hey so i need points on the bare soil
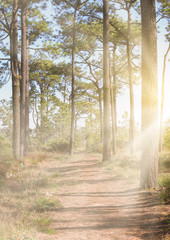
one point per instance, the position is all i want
(98, 205)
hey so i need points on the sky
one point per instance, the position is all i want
(123, 99)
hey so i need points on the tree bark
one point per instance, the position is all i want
(15, 80)
(27, 92)
(106, 83)
(73, 87)
(23, 77)
(132, 120)
(113, 121)
(114, 87)
(149, 159)
(101, 114)
(162, 100)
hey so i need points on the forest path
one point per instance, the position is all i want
(99, 206)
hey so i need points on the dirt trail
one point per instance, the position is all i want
(97, 205)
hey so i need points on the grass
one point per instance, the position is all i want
(46, 204)
(167, 237)
(124, 165)
(13, 232)
(36, 158)
(26, 201)
(43, 224)
(55, 175)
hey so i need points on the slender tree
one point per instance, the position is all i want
(162, 99)
(132, 120)
(26, 149)
(106, 83)
(149, 160)
(15, 80)
(113, 119)
(24, 63)
(73, 85)
(114, 87)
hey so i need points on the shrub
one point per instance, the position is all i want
(93, 144)
(61, 145)
(6, 159)
(164, 184)
(166, 136)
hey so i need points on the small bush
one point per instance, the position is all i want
(164, 162)
(166, 136)
(93, 144)
(164, 184)
(6, 159)
(61, 145)
(36, 157)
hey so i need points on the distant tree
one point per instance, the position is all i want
(6, 118)
(106, 83)
(73, 8)
(162, 99)
(44, 81)
(164, 13)
(149, 160)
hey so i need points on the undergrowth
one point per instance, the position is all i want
(164, 177)
(124, 165)
(164, 184)
(28, 197)
(46, 204)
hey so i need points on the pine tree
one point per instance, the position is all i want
(149, 161)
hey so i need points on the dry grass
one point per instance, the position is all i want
(27, 197)
(124, 165)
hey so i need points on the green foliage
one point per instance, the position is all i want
(164, 162)
(164, 184)
(164, 12)
(93, 143)
(166, 136)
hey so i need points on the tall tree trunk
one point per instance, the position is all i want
(106, 83)
(27, 92)
(112, 114)
(114, 87)
(23, 77)
(149, 160)
(15, 80)
(113, 121)
(162, 100)
(73, 86)
(132, 121)
(101, 115)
